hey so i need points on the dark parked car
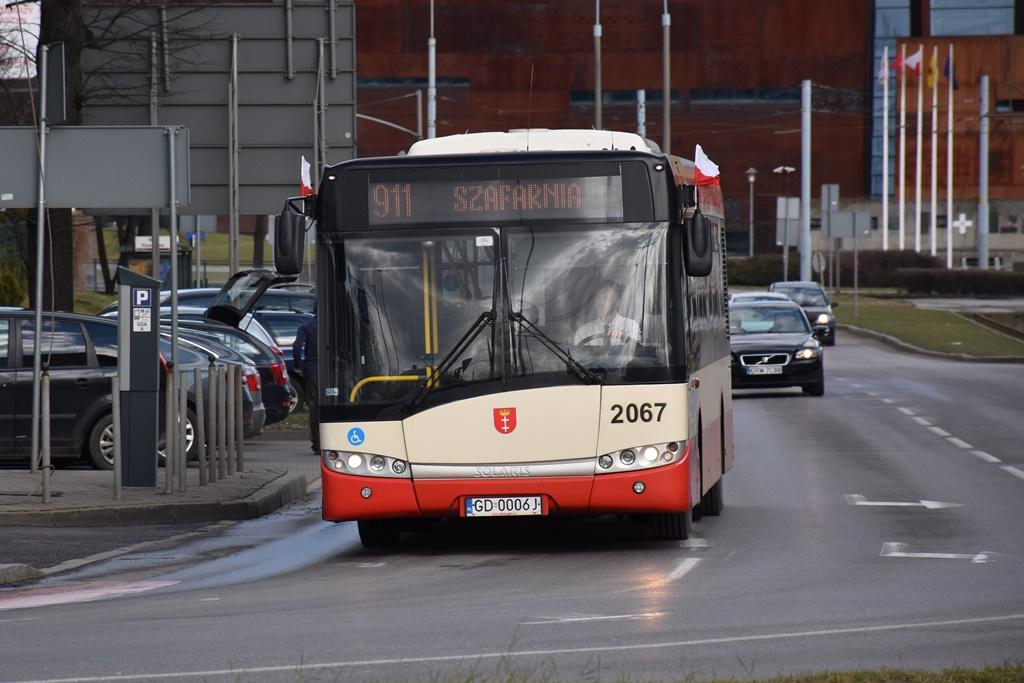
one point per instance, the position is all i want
(278, 395)
(82, 360)
(773, 346)
(283, 327)
(810, 297)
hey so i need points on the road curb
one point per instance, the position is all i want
(904, 346)
(17, 573)
(271, 496)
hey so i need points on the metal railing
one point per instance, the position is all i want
(217, 431)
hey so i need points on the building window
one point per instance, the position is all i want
(972, 17)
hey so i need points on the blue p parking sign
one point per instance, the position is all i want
(140, 296)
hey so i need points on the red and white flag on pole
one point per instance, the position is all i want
(706, 170)
(306, 188)
(913, 62)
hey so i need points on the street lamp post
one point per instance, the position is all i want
(785, 171)
(751, 176)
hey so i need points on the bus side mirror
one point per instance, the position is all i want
(686, 198)
(698, 254)
(289, 241)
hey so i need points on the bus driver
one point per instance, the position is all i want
(609, 328)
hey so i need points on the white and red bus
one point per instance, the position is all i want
(510, 332)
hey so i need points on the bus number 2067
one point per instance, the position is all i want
(633, 412)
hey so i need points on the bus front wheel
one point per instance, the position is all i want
(671, 526)
(379, 533)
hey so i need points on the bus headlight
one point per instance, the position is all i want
(398, 467)
(641, 457)
(354, 461)
(377, 463)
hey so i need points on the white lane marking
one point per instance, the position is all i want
(1015, 471)
(576, 620)
(959, 443)
(888, 400)
(905, 411)
(470, 656)
(890, 549)
(985, 456)
(873, 393)
(42, 597)
(208, 599)
(857, 499)
(682, 570)
(857, 386)
(695, 543)
(68, 565)
(923, 422)
(939, 430)
(12, 621)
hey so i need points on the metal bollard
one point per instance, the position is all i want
(229, 398)
(239, 424)
(182, 465)
(169, 429)
(115, 393)
(200, 426)
(221, 420)
(212, 455)
(45, 433)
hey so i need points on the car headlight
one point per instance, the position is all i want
(806, 354)
(823, 319)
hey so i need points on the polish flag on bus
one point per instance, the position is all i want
(306, 188)
(706, 170)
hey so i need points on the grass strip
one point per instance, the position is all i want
(934, 330)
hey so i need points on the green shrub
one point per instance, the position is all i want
(12, 286)
(942, 281)
(876, 268)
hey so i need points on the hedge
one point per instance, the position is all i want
(984, 282)
(876, 267)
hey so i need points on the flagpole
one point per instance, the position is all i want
(949, 164)
(903, 146)
(918, 157)
(933, 71)
(885, 148)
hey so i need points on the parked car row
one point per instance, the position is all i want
(82, 358)
(777, 337)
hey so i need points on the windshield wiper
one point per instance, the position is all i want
(582, 371)
(479, 325)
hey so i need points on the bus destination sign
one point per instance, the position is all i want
(592, 198)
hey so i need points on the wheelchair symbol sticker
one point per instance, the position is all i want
(356, 436)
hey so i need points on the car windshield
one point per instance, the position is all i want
(767, 320)
(805, 296)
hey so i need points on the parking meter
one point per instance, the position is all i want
(138, 367)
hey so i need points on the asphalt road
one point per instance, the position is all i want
(825, 558)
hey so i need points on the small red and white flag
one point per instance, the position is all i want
(913, 62)
(306, 188)
(706, 172)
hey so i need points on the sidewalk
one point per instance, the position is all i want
(85, 498)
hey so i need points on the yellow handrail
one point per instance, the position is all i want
(382, 378)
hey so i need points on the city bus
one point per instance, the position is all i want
(528, 323)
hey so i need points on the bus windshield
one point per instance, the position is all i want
(482, 310)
